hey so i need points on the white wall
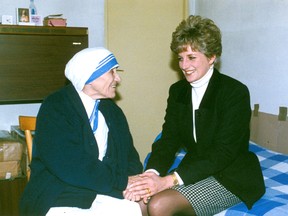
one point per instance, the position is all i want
(255, 50)
(88, 13)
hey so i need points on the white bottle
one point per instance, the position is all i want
(33, 9)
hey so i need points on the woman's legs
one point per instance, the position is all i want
(143, 207)
(168, 203)
(206, 197)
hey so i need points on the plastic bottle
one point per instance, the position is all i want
(33, 9)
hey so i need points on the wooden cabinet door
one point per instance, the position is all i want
(33, 59)
(139, 32)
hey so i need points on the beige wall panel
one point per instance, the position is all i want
(268, 131)
(282, 139)
(139, 32)
(265, 130)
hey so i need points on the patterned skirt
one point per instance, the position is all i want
(208, 196)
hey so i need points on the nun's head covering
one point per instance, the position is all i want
(89, 64)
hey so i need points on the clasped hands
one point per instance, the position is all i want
(143, 186)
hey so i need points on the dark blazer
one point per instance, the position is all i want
(222, 128)
(65, 166)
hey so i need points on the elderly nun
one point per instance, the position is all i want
(83, 153)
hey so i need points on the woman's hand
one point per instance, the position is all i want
(129, 195)
(148, 184)
(132, 179)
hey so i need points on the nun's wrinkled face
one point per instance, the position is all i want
(104, 86)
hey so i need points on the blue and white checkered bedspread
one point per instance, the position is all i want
(275, 171)
(275, 201)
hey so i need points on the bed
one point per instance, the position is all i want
(275, 171)
(268, 137)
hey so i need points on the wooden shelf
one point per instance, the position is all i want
(43, 30)
(33, 59)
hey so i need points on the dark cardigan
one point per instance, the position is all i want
(65, 166)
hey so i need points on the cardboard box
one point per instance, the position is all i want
(10, 169)
(19, 135)
(12, 157)
(10, 149)
(54, 22)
